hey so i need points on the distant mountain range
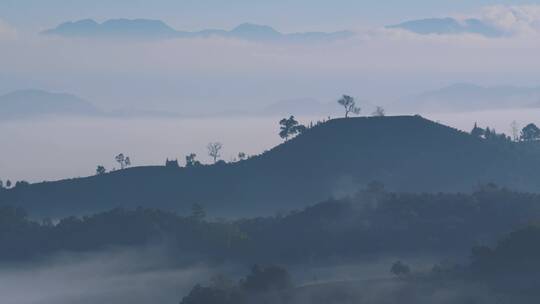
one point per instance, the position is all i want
(470, 97)
(31, 103)
(444, 26)
(156, 29)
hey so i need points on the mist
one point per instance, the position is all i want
(152, 274)
(115, 276)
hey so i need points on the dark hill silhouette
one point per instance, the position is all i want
(406, 153)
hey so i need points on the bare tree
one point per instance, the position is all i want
(349, 104)
(214, 150)
(123, 160)
(379, 111)
(515, 130)
(120, 159)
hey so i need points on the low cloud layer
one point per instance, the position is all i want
(514, 20)
(120, 276)
(7, 31)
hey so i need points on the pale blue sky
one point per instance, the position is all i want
(283, 14)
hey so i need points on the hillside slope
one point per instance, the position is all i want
(406, 153)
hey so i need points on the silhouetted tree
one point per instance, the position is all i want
(530, 133)
(375, 187)
(120, 159)
(492, 135)
(8, 184)
(290, 127)
(399, 269)
(379, 111)
(172, 163)
(477, 131)
(489, 133)
(349, 104)
(123, 160)
(100, 170)
(20, 184)
(191, 161)
(212, 295)
(263, 279)
(241, 156)
(214, 150)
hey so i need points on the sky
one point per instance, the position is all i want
(216, 75)
(283, 14)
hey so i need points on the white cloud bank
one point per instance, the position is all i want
(514, 20)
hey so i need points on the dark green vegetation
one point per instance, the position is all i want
(372, 222)
(407, 153)
(506, 273)
(264, 284)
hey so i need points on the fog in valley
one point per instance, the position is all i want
(150, 275)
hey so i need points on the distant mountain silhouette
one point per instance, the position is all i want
(155, 29)
(406, 153)
(31, 103)
(470, 97)
(444, 26)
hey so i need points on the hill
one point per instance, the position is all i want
(406, 153)
(156, 29)
(31, 103)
